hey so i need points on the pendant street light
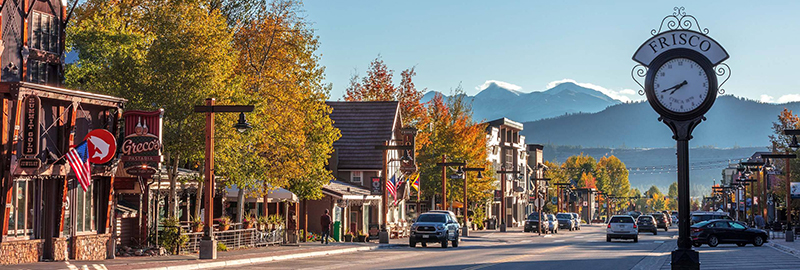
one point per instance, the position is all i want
(465, 232)
(503, 173)
(444, 164)
(208, 245)
(788, 169)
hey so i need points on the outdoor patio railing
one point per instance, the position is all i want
(236, 238)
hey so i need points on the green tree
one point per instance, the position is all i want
(650, 193)
(673, 196)
(786, 120)
(612, 176)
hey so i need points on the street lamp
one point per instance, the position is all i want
(208, 246)
(503, 173)
(465, 232)
(383, 235)
(444, 164)
(786, 157)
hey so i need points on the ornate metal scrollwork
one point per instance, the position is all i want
(679, 21)
(639, 71)
(723, 72)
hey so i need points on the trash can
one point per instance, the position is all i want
(491, 224)
(337, 231)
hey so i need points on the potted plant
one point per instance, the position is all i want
(248, 221)
(262, 223)
(197, 224)
(348, 237)
(224, 223)
(361, 237)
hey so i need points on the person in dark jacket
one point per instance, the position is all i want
(325, 222)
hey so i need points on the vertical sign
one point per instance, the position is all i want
(376, 186)
(408, 134)
(30, 133)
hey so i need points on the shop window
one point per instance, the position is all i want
(44, 32)
(23, 207)
(84, 208)
(356, 176)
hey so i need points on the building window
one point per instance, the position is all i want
(84, 208)
(23, 206)
(43, 73)
(44, 32)
(356, 176)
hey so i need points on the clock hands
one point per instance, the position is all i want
(675, 88)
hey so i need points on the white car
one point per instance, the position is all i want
(622, 227)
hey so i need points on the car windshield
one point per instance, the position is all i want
(621, 220)
(564, 216)
(698, 218)
(645, 218)
(533, 216)
(431, 218)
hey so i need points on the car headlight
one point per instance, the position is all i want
(413, 228)
(440, 227)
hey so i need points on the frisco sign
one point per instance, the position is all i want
(141, 146)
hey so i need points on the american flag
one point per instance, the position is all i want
(391, 187)
(78, 158)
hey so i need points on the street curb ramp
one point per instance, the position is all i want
(259, 260)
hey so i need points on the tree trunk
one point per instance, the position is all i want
(199, 194)
(173, 178)
(240, 206)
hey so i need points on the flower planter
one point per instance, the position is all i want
(246, 225)
(361, 238)
(348, 238)
(197, 228)
(224, 227)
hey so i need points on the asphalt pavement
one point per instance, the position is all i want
(584, 249)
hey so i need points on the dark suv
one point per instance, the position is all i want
(434, 228)
(566, 221)
(532, 224)
(661, 220)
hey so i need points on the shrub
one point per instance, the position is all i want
(170, 238)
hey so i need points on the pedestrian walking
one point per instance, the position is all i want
(325, 222)
(759, 220)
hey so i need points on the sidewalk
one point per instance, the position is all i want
(792, 248)
(224, 258)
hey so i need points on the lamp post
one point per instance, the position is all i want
(208, 246)
(383, 235)
(540, 198)
(503, 173)
(560, 187)
(465, 232)
(444, 164)
(786, 157)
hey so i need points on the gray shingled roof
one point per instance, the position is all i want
(342, 188)
(363, 125)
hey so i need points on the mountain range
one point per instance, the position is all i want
(569, 114)
(495, 101)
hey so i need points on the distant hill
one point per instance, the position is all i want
(732, 122)
(658, 166)
(495, 102)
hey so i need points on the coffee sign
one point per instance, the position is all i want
(141, 146)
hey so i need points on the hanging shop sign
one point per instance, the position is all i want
(141, 146)
(376, 186)
(795, 187)
(102, 146)
(31, 132)
(409, 134)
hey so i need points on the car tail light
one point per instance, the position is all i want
(609, 225)
(696, 230)
(634, 225)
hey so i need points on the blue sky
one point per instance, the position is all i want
(532, 44)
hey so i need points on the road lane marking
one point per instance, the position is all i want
(514, 258)
(558, 241)
(579, 237)
(658, 242)
(548, 235)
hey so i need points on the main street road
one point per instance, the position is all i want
(585, 249)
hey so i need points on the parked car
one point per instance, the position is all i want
(698, 217)
(661, 220)
(721, 231)
(566, 221)
(434, 227)
(533, 222)
(622, 227)
(553, 223)
(667, 217)
(577, 220)
(647, 223)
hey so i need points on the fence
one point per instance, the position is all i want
(236, 238)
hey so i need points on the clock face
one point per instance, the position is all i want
(680, 85)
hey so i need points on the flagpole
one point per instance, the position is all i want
(419, 189)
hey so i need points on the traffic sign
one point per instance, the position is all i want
(102, 146)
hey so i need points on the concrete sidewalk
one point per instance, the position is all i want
(224, 259)
(780, 244)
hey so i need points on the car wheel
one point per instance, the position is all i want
(455, 243)
(444, 243)
(758, 241)
(636, 239)
(713, 241)
(741, 244)
(411, 243)
(655, 232)
(608, 238)
(424, 244)
(695, 244)
(666, 229)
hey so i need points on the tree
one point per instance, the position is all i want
(378, 86)
(452, 132)
(612, 176)
(786, 120)
(650, 193)
(673, 195)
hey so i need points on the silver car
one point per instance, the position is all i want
(622, 227)
(553, 223)
(434, 228)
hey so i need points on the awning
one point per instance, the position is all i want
(125, 209)
(346, 191)
(275, 195)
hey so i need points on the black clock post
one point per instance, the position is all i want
(680, 66)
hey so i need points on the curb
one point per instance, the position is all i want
(250, 261)
(784, 249)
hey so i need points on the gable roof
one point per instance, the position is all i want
(363, 125)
